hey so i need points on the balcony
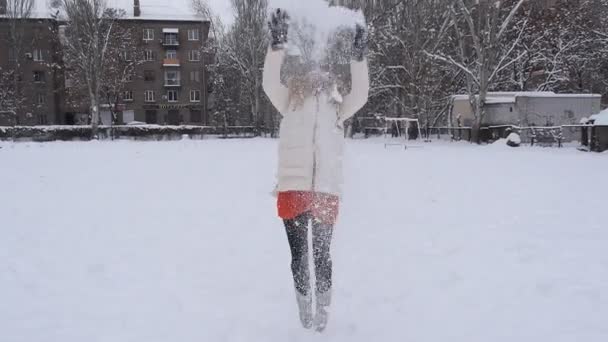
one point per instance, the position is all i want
(171, 62)
(170, 42)
(172, 82)
(170, 37)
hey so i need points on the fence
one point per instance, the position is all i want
(537, 135)
(453, 133)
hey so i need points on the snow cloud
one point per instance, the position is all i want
(317, 21)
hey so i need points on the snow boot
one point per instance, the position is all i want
(322, 312)
(305, 309)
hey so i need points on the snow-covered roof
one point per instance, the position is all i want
(510, 97)
(520, 93)
(507, 94)
(582, 96)
(160, 10)
(600, 119)
(500, 100)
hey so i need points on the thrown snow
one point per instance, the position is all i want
(178, 241)
(324, 20)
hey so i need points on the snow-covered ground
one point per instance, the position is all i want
(178, 241)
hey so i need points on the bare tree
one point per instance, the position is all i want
(244, 48)
(481, 54)
(405, 82)
(122, 58)
(87, 37)
(8, 105)
(213, 63)
(238, 57)
(415, 85)
(17, 14)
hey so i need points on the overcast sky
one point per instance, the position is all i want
(223, 9)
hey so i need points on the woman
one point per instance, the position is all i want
(310, 160)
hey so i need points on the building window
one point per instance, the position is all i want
(38, 55)
(171, 39)
(149, 96)
(149, 76)
(68, 81)
(42, 119)
(151, 117)
(171, 54)
(195, 96)
(126, 56)
(12, 57)
(172, 96)
(39, 76)
(149, 56)
(148, 34)
(127, 96)
(172, 78)
(195, 76)
(41, 99)
(193, 34)
(195, 56)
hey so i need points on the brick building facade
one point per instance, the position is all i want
(39, 80)
(169, 86)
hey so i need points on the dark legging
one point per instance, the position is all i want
(297, 234)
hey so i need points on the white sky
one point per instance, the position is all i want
(223, 9)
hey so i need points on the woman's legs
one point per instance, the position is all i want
(297, 235)
(321, 242)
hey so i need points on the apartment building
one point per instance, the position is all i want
(40, 103)
(169, 85)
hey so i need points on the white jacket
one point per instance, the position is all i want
(312, 136)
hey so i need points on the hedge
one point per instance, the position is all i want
(139, 132)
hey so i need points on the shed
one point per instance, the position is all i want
(599, 131)
(529, 108)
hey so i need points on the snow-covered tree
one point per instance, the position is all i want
(86, 42)
(565, 47)
(244, 48)
(17, 14)
(122, 58)
(403, 76)
(482, 52)
(405, 80)
(8, 103)
(238, 57)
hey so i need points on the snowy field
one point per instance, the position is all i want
(179, 242)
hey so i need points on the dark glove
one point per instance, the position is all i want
(279, 27)
(360, 43)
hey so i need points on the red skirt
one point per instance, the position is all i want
(323, 207)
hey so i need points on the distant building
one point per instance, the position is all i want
(527, 109)
(39, 79)
(169, 87)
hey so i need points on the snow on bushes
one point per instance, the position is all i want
(143, 132)
(514, 140)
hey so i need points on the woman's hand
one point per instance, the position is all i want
(279, 27)
(360, 43)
